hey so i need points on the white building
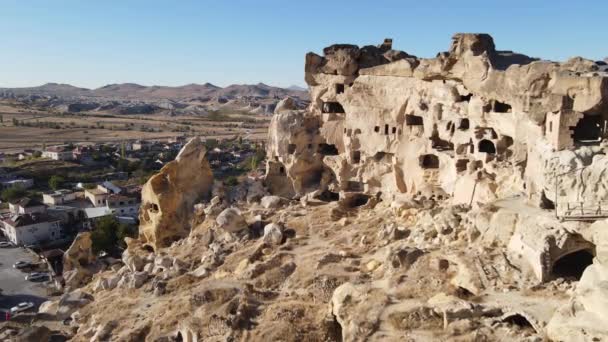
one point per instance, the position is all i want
(27, 205)
(123, 206)
(31, 229)
(58, 153)
(93, 215)
(96, 196)
(58, 197)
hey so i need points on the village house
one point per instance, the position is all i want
(96, 196)
(121, 205)
(58, 197)
(83, 154)
(109, 188)
(27, 205)
(30, 229)
(92, 215)
(58, 153)
(26, 154)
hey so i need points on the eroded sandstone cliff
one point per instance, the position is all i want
(417, 199)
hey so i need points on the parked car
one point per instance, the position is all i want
(5, 244)
(22, 264)
(22, 307)
(37, 276)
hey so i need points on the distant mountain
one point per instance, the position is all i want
(140, 92)
(131, 98)
(296, 88)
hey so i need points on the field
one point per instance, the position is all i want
(22, 128)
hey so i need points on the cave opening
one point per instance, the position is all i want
(382, 156)
(518, 320)
(356, 200)
(572, 265)
(461, 165)
(429, 161)
(312, 178)
(329, 196)
(327, 150)
(339, 88)
(413, 120)
(291, 148)
(463, 125)
(588, 130)
(465, 98)
(501, 107)
(545, 202)
(486, 146)
(356, 156)
(385, 129)
(332, 107)
(377, 129)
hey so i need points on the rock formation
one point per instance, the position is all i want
(473, 124)
(79, 262)
(458, 198)
(168, 198)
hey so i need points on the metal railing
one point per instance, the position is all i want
(582, 210)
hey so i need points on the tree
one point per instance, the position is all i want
(55, 182)
(108, 234)
(12, 194)
(103, 235)
(37, 154)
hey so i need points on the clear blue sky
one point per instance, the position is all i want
(93, 43)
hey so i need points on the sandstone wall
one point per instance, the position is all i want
(473, 124)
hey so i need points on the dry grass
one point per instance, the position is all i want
(100, 127)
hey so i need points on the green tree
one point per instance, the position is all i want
(12, 194)
(103, 235)
(108, 234)
(55, 182)
(1, 119)
(37, 154)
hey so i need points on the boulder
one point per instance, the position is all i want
(271, 202)
(133, 261)
(273, 234)
(69, 303)
(231, 220)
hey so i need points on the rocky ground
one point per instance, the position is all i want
(318, 271)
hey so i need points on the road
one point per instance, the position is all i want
(15, 289)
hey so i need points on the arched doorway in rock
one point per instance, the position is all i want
(573, 264)
(486, 146)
